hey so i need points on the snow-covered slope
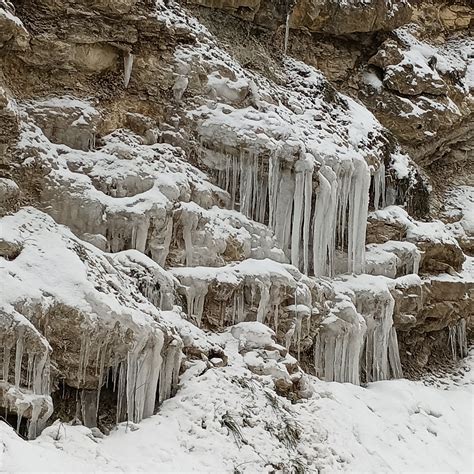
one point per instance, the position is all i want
(229, 420)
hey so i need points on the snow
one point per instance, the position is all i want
(460, 200)
(371, 79)
(401, 164)
(9, 16)
(390, 426)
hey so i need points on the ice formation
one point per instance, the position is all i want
(359, 328)
(458, 339)
(74, 288)
(128, 65)
(282, 198)
(287, 33)
(291, 164)
(338, 344)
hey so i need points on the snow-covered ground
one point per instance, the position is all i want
(229, 420)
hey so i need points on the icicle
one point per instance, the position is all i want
(284, 202)
(297, 218)
(128, 65)
(189, 222)
(273, 189)
(240, 307)
(83, 358)
(394, 355)
(121, 392)
(308, 194)
(196, 297)
(6, 361)
(287, 33)
(169, 371)
(35, 413)
(264, 300)
(29, 369)
(275, 317)
(324, 223)
(416, 261)
(289, 335)
(457, 339)
(21, 407)
(101, 354)
(19, 357)
(462, 337)
(358, 211)
(379, 187)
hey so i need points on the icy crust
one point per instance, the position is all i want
(217, 236)
(64, 293)
(66, 120)
(392, 259)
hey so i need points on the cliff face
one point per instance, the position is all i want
(161, 178)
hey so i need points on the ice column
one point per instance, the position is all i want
(379, 187)
(324, 221)
(338, 344)
(358, 211)
(302, 211)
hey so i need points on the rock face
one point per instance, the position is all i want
(354, 16)
(154, 187)
(328, 16)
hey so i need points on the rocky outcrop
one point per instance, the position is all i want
(420, 91)
(14, 35)
(338, 18)
(327, 16)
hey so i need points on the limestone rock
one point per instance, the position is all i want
(9, 195)
(353, 16)
(13, 34)
(327, 16)
(440, 250)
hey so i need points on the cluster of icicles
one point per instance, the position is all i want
(457, 338)
(142, 377)
(316, 211)
(146, 375)
(348, 345)
(26, 388)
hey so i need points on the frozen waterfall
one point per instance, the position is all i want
(312, 206)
